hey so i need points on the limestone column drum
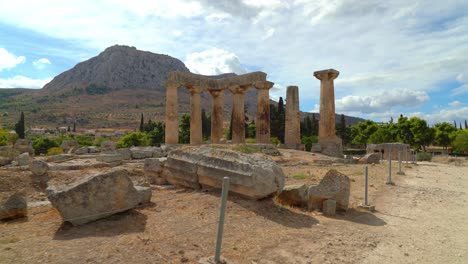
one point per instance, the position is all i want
(238, 118)
(292, 135)
(172, 117)
(217, 115)
(263, 112)
(196, 136)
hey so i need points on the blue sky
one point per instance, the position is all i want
(394, 57)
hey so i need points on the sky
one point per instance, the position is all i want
(394, 57)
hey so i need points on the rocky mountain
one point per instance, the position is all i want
(110, 90)
(119, 67)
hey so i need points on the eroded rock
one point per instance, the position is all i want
(153, 170)
(13, 207)
(334, 185)
(97, 196)
(370, 158)
(23, 159)
(38, 167)
(251, 175)
(294, 195)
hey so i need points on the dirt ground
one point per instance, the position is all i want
(422, 219)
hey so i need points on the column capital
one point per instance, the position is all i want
(171, 85)
(215, 92)
(195, 89)
(324, 75)
(263, 85)
(236, 89)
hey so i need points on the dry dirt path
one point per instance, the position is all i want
(426, 215)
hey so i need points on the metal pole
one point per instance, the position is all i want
(389, 179)
(406, 155)
(399, 162)
(222, 210)
(366, 188)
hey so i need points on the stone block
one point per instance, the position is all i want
(108, 146)
(60, 158)
(82, 150)
(334, 185)
(294, 195)
(153, 169)
(109, 158)
(97, 196)
(5, 161)
(329, 207)
(38, 167)
(126, 153)
(24, 145)
(370, 158)
(69, 145)
(15, 206)
(23, 159)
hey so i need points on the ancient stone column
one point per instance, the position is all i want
(292, 133)
(196, 136)
(238, 115)
(327, 105)
(216, 115)
(172, 117)
(263, 112)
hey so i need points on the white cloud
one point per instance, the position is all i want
(446, 115)
(455, 103)
(460, 90)
(213, 62)
(41, 63)
(20, 81)
(462, 78)
(9, 60)
(381, 102)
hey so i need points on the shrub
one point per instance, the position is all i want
(42, 144)
(133, 139)
(4, 138)
(54, 151)
(300, 176)
(308, 141)
(275, 141)
(85, 140)
(423, 156)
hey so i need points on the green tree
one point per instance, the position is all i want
(423, 135)
(363, 131)
(184, 129)
(157, 135)
(383, 134)
(74, 126)
(342, 130)
(306, 126)
(314, 128)
(443, 134)
(277, 120)
(19, 127)
(460, 142)
(466, 124)
(133, 139)
(404, 130)
(4, 138)
(251, 130)
(142, 123)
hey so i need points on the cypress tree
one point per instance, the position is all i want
(142, 123)
(455, 124)
(314, 126)
(74, 126)
(466, 125)
(19, 127)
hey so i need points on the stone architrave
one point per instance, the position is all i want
(238, 118)
(195, 116)
(172, 117)
(263, 112)
(217, 115)
(292, 135)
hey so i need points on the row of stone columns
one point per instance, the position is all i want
(238, 124)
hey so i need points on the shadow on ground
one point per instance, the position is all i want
(361, 217)
(269, 210)
(130, 221)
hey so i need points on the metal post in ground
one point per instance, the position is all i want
(366, 204)
(389, 179)
(222, 211)
(399, 164)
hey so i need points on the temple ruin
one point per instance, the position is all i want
(238, 85)
(328, 142)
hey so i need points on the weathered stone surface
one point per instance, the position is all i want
(38, 167)
(217, 115)
(5, 161)
(238, 113)
(109, 158)
(370, 158)
(334, 185)
(60, 157)
(82, 150)
(108, 146)
(195, 116)
(24, 145)
(153, 169)
(69, 145)
(13, 207)
(263, 112)
(93, 149)
(294, 195)
(146, 152)
(329, 207)
(97, 196)
(126, 153)
(23, 159)
(292, 134)
(254, 175)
